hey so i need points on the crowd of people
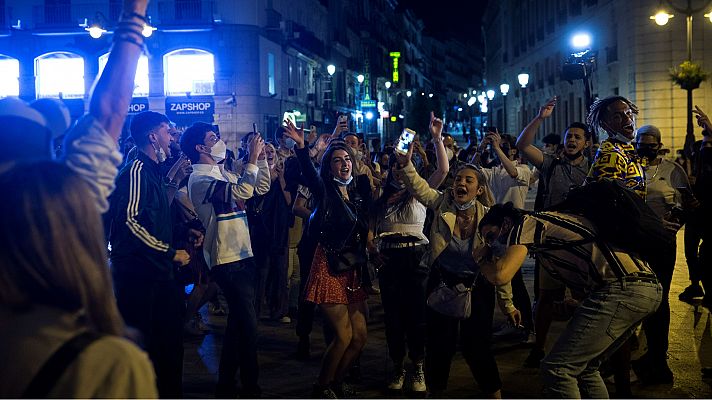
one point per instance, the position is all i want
(100, 246)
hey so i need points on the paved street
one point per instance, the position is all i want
(284, 377)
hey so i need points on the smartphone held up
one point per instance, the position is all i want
(405, 140)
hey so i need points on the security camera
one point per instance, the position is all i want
(231, 100)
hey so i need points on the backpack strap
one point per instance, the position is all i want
(48, 376)
(588, 237)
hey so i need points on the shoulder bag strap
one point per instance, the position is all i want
(48, 376)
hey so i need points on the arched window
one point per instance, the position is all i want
(141, 80)
(9, 76)
(59, 73)
(189, 71)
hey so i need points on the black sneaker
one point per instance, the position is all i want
(343, 390)
(691, 292)
(652, 373)
(534, 358)
(322, 392)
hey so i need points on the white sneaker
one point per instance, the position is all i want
(396, 382)
(285, 320)
(418, 384)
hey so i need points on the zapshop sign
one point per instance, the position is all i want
(190, 110)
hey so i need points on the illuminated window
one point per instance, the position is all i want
(141, 80)
(189, 71)
(270, 73)
(59, 73)
(9, 76)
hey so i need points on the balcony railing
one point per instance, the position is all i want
(175, 12)
(54, 16)
(185, 12)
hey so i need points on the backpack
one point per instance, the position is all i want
(621, 218)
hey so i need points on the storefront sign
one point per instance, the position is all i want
(185, 111)
(138, 105)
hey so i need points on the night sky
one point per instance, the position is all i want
(449, 18)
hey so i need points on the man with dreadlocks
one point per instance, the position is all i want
(616, 158)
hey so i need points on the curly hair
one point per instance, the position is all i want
(599, 108)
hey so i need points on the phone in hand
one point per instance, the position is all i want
(405, 140)
(254, 127)
(288, 116)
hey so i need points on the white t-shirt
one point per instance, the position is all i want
(505, 188)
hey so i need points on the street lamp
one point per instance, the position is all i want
(408, 93)
(504, 89)
(662, 18)
(523, 79)
(490, 94)
(360, 78)
(331, 69)
(581, 41)
(388, 84)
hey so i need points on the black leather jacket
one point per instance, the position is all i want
(334, 222)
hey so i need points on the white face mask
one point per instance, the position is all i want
(342, 182)
(160, 154)
(218, 150)
(466, 206)
(450, 153)
(289, 143)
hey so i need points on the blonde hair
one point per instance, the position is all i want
(53, 252)
(486, 198)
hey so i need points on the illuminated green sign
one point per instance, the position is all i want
(395, 55)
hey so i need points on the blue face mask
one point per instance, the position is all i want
(342, 182)
(289, 143)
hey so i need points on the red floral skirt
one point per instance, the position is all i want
(323, 287)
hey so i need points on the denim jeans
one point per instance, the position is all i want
(239, 351)
(601, 324)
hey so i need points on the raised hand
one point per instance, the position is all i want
(436, 127)
(297, 135)
(255, 147)
(494, 138)
(702, 119)
(403, 160)
(311, 138)
(547, 109)
(341, 126)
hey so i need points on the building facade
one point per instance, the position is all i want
(229, 62)
(632, 58)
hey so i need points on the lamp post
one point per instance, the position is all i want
(504, 89)
(523, 79)
(662, 18)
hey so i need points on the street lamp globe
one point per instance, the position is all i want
(95, 31)
(662, 17)
(408, 93)
(490, 94)
(331, 69)
(459, 109)
(369, 115)
(471, 101)
(504, 89)
(388, 84)
(709, 16)
(464, 95)
(430, 95)
(523, 79)
(360, 78)
(147, 30)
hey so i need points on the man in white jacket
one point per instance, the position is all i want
(219, 199)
